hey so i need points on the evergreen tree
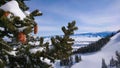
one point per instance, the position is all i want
(80, 58)
(71, 61)
(1, 64)
(67, 62)
(18, 30)
(118, 59)
(77, 58)
(118, 56)
(118, 31)
(115, 63)
(112, 62)
(103, 64)
(62, 44)
(93, 47)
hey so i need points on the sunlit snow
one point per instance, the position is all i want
(14, 8)
(94, 60)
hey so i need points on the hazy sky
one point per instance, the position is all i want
(90, 15)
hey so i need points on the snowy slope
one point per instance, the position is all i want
(81, 41)
(94, 60)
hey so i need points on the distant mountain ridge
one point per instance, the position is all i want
(90, 34)
(97, 34)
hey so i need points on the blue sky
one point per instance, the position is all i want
(90, 15)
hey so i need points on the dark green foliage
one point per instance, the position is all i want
(103, 64)
(67, 62)
(36, 13)
(70, 29)
(112, 62)
(118, 56)
(118, 59)
(12, 25)
(22, 5)
(64, 62)
(62, 44)
(4, 45)
(118, 31)
(1, 12)
(70, 61)
(1, 64)
(41, 41)
(23, 58)
(26, 59)
(2, 2)
(77, 58)
(93, 47)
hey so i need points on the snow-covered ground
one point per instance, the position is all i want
(94, 60)
(85, 38)
(81, 41)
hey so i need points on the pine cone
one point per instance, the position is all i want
(22, 37)
(6, 14)
(35, 29)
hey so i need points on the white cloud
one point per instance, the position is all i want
(99, 29)
(100, 19)
(108, 16)
(48, 28)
